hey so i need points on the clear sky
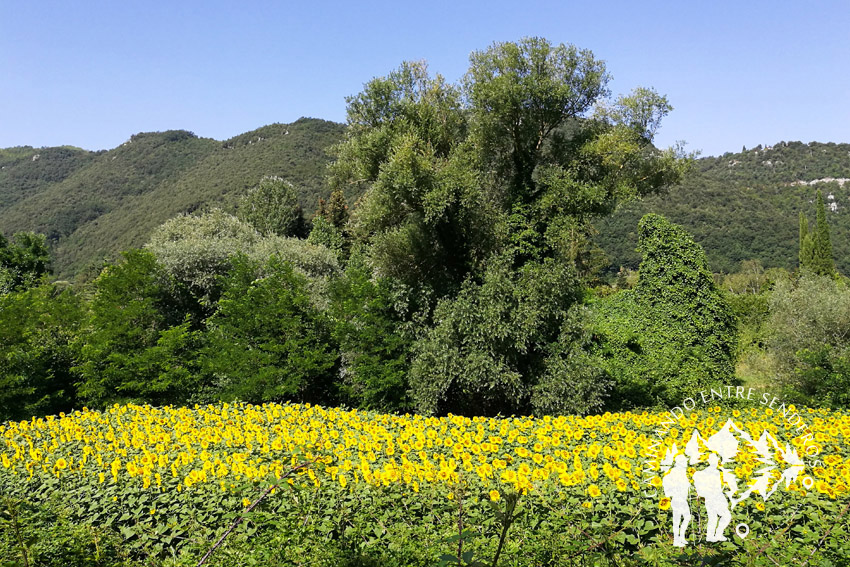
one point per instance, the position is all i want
(93, 73)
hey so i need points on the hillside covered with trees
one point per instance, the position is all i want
(746, 206)
(92, 205)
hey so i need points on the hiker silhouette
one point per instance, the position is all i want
(708, 484)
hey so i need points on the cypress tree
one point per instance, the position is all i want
(822, 262)
(322, 211)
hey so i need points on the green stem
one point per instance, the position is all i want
(13, 513)
(509, 517)
(459, 529)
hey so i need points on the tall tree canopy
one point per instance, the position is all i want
(517, 157)
(478, 199)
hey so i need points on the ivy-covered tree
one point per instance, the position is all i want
(674, 333)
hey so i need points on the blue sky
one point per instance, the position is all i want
(91, 74)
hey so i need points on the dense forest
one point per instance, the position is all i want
(745, 206)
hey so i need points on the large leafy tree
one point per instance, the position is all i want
(407, 150)
(479, 197)
(267, 341)
(139, 343)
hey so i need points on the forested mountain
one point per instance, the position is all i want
(746, 206)
(92, 205)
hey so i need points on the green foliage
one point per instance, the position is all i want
(23, 261)
(674, 333)
(372, 342)
(45, 535)
(92, 205)
(197, 250)
(335, 210)
(815, 247)
(509, 345)
(25, 171)
(822, 262)
(420, 212)
(266, 341)
(744, 206)
(530, 103)
(139, 343)
(477, 199)
(324, 233)
(37, 328)
(809, 336)
(807, 244)
(520, 94)
(272, 208)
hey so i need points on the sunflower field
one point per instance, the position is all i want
(308, 485)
